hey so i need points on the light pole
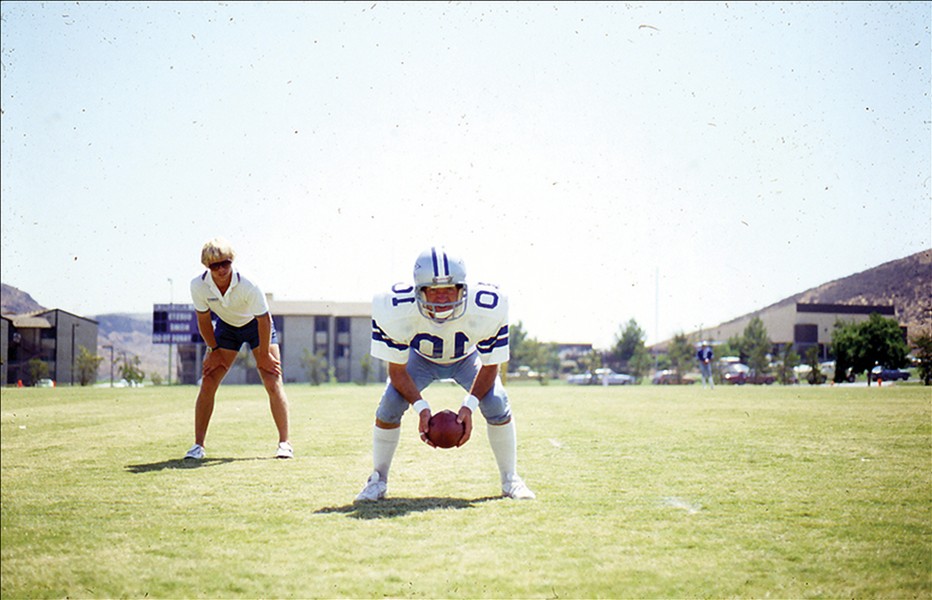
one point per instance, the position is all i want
(111, 363)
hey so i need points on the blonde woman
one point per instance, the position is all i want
(243, 317)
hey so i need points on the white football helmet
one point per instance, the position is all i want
(435, 268)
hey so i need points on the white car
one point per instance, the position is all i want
(602, 377)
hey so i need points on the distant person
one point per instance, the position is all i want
(438, 327)
(243, 317)
(704, 355)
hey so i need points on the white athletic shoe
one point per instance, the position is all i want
(515, 488)
(284, 451)
(196, 452)
(375, 489)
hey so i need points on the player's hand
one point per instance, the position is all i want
(423, 426)
(212, 362)
(464, 417)
(269, 364)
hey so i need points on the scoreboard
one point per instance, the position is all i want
(175, 324)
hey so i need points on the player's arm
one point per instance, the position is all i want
(206, 328)
(481, 385)
(265, 360)
(484, 381)
(404, 385)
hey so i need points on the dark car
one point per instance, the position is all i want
(668, 377)
(881, 374)
(740, 374)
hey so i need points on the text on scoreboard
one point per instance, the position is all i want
(175, 324)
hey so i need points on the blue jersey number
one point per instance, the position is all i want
(460, 340)
(400, 289)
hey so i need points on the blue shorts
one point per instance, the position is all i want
(233, 338)
(494, 406)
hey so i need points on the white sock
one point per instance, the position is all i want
(504, 442)
(384, 443)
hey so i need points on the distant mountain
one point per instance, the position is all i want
(906, 283)
(14, 301)
(131, 333)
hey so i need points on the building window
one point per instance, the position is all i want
(805, 333)
(321, 324)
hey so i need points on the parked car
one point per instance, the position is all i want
(602, 377)
(761, 378)
(735, 373)
(609, 377)
(878, 373)
(580, 379)
(740, 374)
(828, 369)
(668, 377)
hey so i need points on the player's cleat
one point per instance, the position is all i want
(515, 488)
(284, 450)
(375, 489)
(196, 452)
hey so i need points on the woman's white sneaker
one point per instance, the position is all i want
(196, 452)
(284, 451)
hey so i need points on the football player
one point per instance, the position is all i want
(441, 328)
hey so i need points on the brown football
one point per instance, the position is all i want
(443, 430)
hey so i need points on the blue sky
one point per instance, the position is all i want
(676, 163)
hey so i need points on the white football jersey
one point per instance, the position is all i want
(398, 326)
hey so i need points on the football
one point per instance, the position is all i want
(443, 430)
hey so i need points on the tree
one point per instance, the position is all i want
(592, 361)
(862, 345)
(315, 365)
(681, 355)
(526, 351)
(87, 364)
(519, 353)
(640, 363)
(627, 342)
(922, 344)
(815, 376)
(365, 368)
(543, 358)
(734, 347)
(130, 370)
(788, 360)
(37, 369)
(756, 342)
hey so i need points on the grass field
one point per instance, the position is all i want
(788, 492)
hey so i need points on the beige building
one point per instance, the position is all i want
(800, 324)
(338, 331)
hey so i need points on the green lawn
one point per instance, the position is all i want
(643, 491)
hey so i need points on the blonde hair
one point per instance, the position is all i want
(216, 250)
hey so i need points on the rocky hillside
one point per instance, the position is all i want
(16, 302)
(905, 283)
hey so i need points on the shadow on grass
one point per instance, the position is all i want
(398, 507)
(187, 463)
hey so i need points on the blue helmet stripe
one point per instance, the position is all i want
(441, 263)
